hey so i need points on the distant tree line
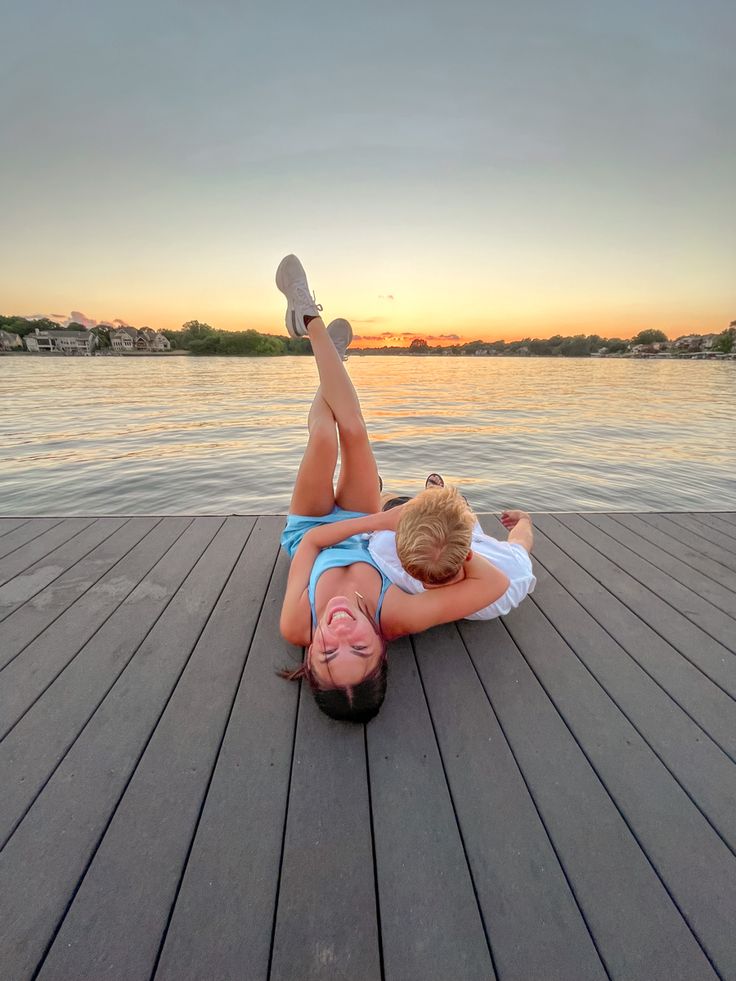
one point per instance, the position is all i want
(201, 338)
(21, 326)
(576, 346)
(196, 337)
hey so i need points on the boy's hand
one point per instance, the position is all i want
(510, 519)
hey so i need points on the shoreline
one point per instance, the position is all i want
(660, 356)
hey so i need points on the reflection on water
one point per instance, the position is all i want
(209, 435)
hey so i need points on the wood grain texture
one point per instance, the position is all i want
(547, 796)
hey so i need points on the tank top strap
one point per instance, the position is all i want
(385, 583)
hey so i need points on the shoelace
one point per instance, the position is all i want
(307, 298)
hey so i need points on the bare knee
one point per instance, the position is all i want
(322, 434)
(320, 414)
(353, 431)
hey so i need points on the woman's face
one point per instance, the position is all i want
(345, 647)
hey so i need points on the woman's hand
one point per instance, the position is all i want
(389, 520)
(510, 519)
(323, 536)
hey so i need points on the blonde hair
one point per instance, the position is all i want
(433, 535)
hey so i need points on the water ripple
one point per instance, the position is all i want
(209, 435)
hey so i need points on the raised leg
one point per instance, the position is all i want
(314, 493)
(357, 486)
(337, 389)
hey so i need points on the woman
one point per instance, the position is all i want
(338, 605)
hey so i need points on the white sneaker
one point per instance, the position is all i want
(292, 281)
(342, 334)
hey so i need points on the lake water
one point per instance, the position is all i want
(222, 435)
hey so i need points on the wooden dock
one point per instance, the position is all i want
(550, 796)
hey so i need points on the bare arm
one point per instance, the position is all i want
(296, 615)
(519, 526)
(325, 535)
(483, 584)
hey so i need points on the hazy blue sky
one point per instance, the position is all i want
(497, 169)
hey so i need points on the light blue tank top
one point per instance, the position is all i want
(354, 549)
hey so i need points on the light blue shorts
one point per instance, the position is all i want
(297, 525)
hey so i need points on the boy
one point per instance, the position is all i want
(437, 533)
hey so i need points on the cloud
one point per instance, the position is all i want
(426, 336)
(402, 338)
(79, 318)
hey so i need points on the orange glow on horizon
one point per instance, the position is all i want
(395, 328)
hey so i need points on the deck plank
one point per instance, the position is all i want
(683, 599)
(676, 547)
(701, 537)
(530, 914)
(690, 535)
(222, 922)
(22, 558)
(145, 847)
(29, 622)
(30, 752)
(46, 590)
(25, 533)
(707, 704)
(11, 524)
(714, 523)
(637, 928)
(714, 660)
(36, 665)
(707, 588)
(697, 762)
(692, 860)
(548, 796)
(47, 855)
(326, 917)
(413, 856)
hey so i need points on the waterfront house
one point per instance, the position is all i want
(123, 339)
(155, 340)
(657, 347)
(10, 341)
(691, 342)
(61, 341)
(126, 339)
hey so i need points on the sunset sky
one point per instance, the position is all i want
(467, 169)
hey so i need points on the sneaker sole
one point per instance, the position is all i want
(290, 322)
(280, 271)
(341, 335)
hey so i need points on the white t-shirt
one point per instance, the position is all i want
(511, 558)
